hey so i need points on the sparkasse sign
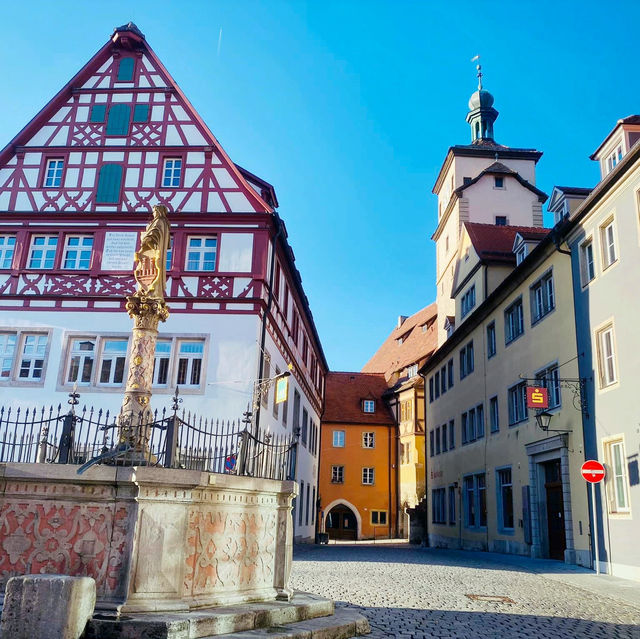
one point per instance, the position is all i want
(537, 397)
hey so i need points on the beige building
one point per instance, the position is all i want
(497, 481)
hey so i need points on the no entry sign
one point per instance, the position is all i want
(592, 471)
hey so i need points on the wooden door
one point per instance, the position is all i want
(342, 523)
(555, 510)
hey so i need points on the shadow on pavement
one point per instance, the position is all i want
(492, 624)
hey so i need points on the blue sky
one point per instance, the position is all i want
(349, 107)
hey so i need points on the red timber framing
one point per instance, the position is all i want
(124, 109)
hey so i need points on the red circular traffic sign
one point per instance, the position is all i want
(592, 471)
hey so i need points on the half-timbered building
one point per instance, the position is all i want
(77, 184)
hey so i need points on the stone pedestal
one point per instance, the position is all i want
(153, 539)
(45, 606)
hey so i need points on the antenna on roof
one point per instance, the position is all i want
(479, 68)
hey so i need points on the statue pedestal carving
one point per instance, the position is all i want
(153, 539)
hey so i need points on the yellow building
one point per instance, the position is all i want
(406, 349)
(357, 483)
(497, 481)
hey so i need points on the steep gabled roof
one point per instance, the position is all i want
(56, 127)
(497, 168)
(419, 339)
(494, 244)
(630, 120)
(344, 393)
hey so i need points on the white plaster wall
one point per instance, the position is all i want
(515, 201)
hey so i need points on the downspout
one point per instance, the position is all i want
(263, 337)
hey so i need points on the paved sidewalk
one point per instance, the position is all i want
(412, 592)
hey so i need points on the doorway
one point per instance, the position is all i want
(341, 523)
(555, 509)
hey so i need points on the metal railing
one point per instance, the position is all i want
(175, 439)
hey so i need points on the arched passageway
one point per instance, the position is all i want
(341, 523)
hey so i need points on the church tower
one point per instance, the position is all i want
(483, 182)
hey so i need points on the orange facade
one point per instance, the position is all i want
(355, 475)
(358, 482)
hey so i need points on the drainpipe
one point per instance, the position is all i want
(263, 337)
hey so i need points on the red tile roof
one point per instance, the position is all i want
(417, 344)
(495, 243)
(344, 394)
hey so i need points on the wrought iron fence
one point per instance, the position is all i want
(175, 439)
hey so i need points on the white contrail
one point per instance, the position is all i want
(219, 41)
(475, 57)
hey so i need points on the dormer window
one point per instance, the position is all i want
(368, 406)
(412, 370)
(521, 253)
(468, 301)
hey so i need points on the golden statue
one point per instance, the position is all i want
(155, 241)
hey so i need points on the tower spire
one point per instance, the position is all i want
(481, 114)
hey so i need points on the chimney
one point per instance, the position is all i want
(401, 319)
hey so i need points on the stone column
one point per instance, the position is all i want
(147, 308)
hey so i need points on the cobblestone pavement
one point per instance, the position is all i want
(406, 591)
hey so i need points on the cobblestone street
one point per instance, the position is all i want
(407, 591)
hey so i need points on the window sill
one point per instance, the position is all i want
(507, 531)
(520, 421)
(539, 319)
(514, 339)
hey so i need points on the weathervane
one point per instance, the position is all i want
(479, 68)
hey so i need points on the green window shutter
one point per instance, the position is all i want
(98, 112)
(125, 70)
(109, 181)
(141, 113)
(118, 122)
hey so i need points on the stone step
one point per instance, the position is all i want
(341, 625)
(210, 622)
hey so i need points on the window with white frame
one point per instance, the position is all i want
(369, 406)
(171, 172)
(161, 360)
(77, 252)
(517, 401)
(550, 379)
(368, 440)
(201, 253)
(337, 474)
(587, 265)
(338, 439)
(468, 301)
(521, 253)
(82, 351)
(53, 173)
(22, 356)
(613, 159)
(7, 248)
(513, 321)
(378, 517)
(505, 499)
(42, 253)
(608, 240)
(412, 370)
(618, 476)
(607, 368)
(542, 297)
(8, 343)
(32, 355)
(112, 360)
(368, 475)
(190, 354)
